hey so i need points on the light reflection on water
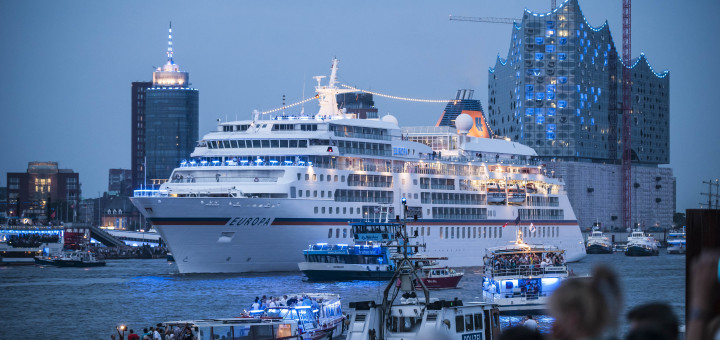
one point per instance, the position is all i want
(36, 301)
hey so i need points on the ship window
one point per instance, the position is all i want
(302, 143)
(322, 177)
(241, 143)
(293, 143)
(344, 210)
(336, 178)
(415, 196)
(314, 177)
(255, 143)
(307, 193)
(351, 210)
(329, 194)
(344, 232)
(468, 323)
(500, 232)
(315, 195)
(307, 177)
(226, 144)
(463, 232)
(283, 143)
(478, 321)
(428, 231)
(342, 178)
(329, 231)
(484, 232)
(292, 192)
(496, 231)
(337, 233)
(452, 232)
(316, 210)
(322, 194)
(299, 176)
(337, 210)
(422, 230)
(275, 143)
(459, 324)
(322, 210)
(474, 232)
(330, 210)
(299, 193)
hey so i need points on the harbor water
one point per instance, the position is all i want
(87, 303)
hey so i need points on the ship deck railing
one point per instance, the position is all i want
(150, 193)
(528, 270)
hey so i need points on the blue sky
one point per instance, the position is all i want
(66, 66)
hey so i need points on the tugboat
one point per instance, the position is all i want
(80, 259)
(521, 277)
(640, 244)
(434, 275)
(318, 315)
(676, 241)
(597, 243)
(408, 313)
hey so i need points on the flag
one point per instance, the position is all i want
(506, 223)
(532, 228)
(517, 220)
(52, 215)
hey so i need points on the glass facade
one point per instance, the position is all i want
(563, 78)
(171, 129)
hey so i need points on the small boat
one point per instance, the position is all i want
(407, 312)
(80, 259)
(318, 315)
(598, 243)
(676, 241)
(434, 275)
(640, 244)
(496, 193)
(237, 328)
(520, 277)
(20, 244)
(516, 193)
(169, 257)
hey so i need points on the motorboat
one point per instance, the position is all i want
(71, 259)
(640, 244)
(236, 328)
(318, 315)
(598, 243)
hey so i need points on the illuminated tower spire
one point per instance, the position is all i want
(170, 47)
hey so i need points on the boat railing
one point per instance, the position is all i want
(528, 270)
(150, 193)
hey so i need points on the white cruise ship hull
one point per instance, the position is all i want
(239, 235)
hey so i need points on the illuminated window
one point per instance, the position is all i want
(550, 131)
(539, 112)
(549, 48)
(562, 80)
(562, 56)
(562, 103)
(539, 40)
(539, 96)
(539, 56)
(550, 111)
(540, 119)
(529, 111)
(562, 41)
(550, 24)
(550, 95)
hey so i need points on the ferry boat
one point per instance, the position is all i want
(676, 241)
(237, 328)
(407, 312)
(298, 179)
(82, 259)
(598, 243)
(435, 275)
(520, 277)
(318, 316)
(20, 244)
(640, 244)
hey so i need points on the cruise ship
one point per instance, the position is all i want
(255, 193)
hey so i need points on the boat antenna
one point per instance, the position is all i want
(302, 108)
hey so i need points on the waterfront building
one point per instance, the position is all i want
(43, 190)
(139, 94)
(120, 182)
(3, 202)
(559, 91)
(170, 122)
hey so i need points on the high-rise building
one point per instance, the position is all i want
(139, 94)
(120, 182)
(559, 91)
(44, 191)
(464, 103)
(171, 120)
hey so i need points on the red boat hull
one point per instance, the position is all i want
(441, 282)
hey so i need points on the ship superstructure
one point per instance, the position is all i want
(255, 192)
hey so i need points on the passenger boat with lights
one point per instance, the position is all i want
(298, 179)
(676, 241)
(640, 244)
(318, 316)
(20, 244)
(520, 277)
(238, 328)
(78, 258)
(372, 257)
(598, 243)
(407, 312)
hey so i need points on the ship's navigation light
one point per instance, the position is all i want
(404, 200)
(329, 149)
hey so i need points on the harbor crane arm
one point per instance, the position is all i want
(484, 19)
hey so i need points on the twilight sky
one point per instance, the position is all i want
(66, 67)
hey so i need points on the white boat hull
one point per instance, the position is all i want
(237, 235)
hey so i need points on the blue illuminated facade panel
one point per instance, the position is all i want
(558, 91)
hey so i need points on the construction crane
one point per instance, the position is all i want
(626, 112)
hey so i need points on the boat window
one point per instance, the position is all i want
(344, 232)
(500, 232)
(459, 324)
(275, 143)
(302, 143)
(337, 233)
(307, 193)
(300, 193)
(478, 321)
(241, 143)
(428, 231)
(299, 176)
(329, 210)
(335, 178)
(315, 195)
(351, 210)
(452, 232)
(337, 210)
(329, 194)
(293, 143)
(329, 230)
(322, 194)
(463, 232)
(255, 143)
(314, 177)
(283, 143)
(322, 209)
(321, 177)
(468, 323)
(292, 192)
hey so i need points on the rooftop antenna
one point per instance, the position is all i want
(170, 47)
(302, 108)
(283, 105)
